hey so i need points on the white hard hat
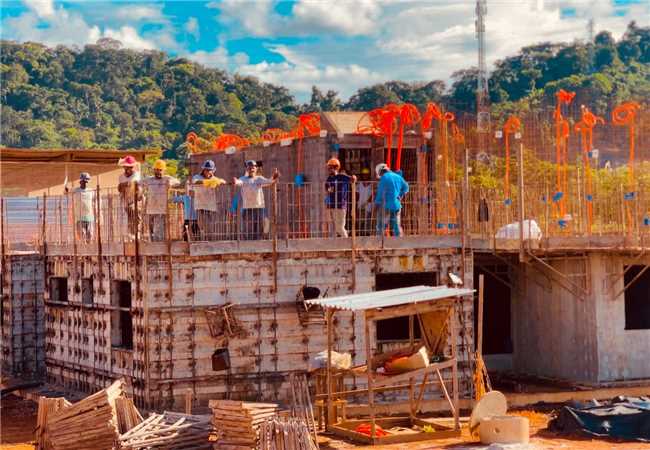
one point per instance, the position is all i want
(379, 168)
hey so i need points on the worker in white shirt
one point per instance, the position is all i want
(130, 190)
(203, 192)
(83, 200)
(252, 200)
(156, 198)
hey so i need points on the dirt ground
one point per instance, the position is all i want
(18, 422)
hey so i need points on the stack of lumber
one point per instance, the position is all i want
(286, 434)
(127, 414)
(46, 408)
(238, 423)
(170, 431)
(94, 422)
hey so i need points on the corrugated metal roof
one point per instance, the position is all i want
(392, 297)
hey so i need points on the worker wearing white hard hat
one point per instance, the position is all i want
(391, 190)
(253, 208)
(156, 193)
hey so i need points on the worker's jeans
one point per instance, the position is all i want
(393, 218)
(252, 223)
(336, 217)
(156, 227)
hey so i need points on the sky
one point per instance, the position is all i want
(334, 44)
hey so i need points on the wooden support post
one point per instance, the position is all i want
(452, 403)
(329, 416)
(353, 225)
(188, 401)
(369, 371)
(522, 255)
(274, 228)
(479, 331)
(454, 367)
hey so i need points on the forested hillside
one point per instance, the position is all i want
(107, 97)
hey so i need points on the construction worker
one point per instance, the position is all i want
(364, 203)
(130, 190)
(337, 188)
(156, 197)
(205, 199)
(252, 200)
(190, 224)
(83, 200)
(391, 189)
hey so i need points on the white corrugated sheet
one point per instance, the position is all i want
(392, 297)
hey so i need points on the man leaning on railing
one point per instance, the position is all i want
(391, 189)
(205, 200)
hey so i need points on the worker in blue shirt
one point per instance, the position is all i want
(391, 189)
(190, 223)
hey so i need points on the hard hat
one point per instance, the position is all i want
(334, 162)
(251, 162)
(160, 164)
(127, 161)
(84, 176)
(381, 168)
(208, 164)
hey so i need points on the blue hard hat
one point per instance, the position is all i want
(85, 176)
(208, 165)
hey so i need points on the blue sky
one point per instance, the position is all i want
(334, 44)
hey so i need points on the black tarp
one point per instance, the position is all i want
(622, 418)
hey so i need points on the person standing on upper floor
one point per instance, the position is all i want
(156, 198)
(252, 200)
(190, 224)
(337, 198)
(390, 191)
(83, 201)
(205, 199)
(364, 203)
(130, 191)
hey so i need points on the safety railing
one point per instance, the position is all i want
(309, 210)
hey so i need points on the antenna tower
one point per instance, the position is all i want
(482, 95)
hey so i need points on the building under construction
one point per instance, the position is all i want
(225, 316)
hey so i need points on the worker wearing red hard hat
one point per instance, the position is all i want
(129, 189)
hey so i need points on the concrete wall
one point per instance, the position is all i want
(23, 317)
(622, 354)
(554, 332)
(275, 342)
(580, 338)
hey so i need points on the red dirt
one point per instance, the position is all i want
(18, 422)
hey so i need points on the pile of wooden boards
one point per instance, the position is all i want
(170, 431)
(94, 422)
(286, 434)
(238, 423)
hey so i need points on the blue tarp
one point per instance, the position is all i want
(623, 418)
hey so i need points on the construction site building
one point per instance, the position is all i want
(226, 317)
